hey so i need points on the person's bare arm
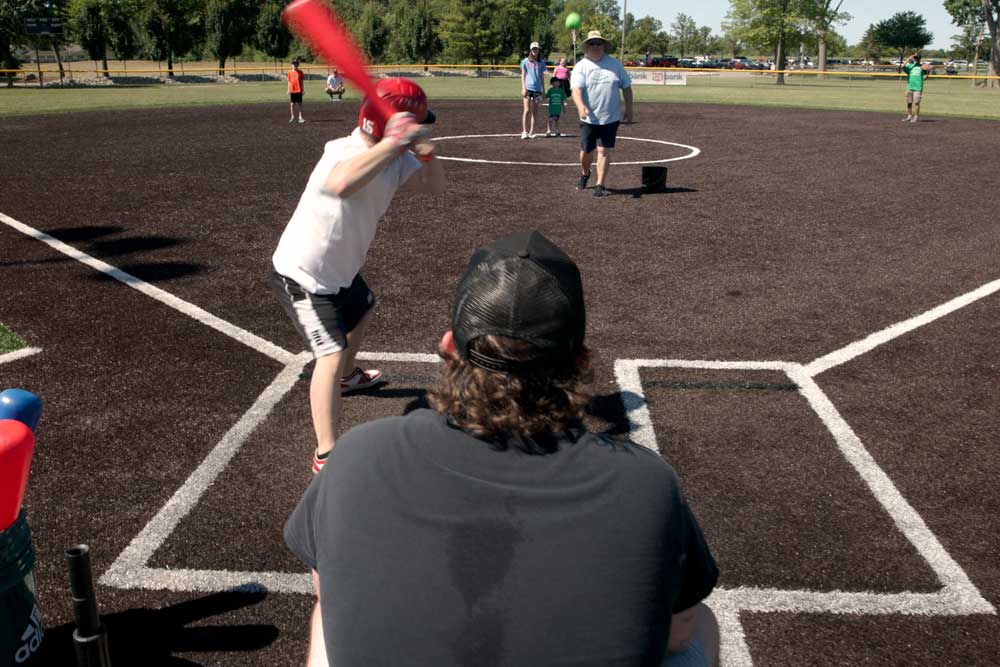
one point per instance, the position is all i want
(430, 178)
(349, 176)
(524, 84)
(627, 93)
(681, 631)
(581, 108)
(317, 643)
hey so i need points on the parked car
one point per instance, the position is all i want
(957, 64)
(663, 61)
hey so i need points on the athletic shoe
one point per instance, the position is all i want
(549, 134)
(360, 379)
(907, 119)
(319, 461)
(582, 183)
(558, 134)
(301, 119)
(292, 119)
(601, 191)
(915, 119)
(524, 135)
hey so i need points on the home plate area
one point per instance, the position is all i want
(742, 436)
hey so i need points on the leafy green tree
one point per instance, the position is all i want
(372, 32)
(123, 36)
(229, 24)
(172, 27)
(965, 44)
(823, 15)
(646, 36)
(515, 27)
(89, 26)
(769, 25)
(271, 36)
(468, 30)
(871, 48)
(903, 31)
(706, 43)
(684, 34)
(12, 34)
(965, 12)
(415, 31)
(732, 42)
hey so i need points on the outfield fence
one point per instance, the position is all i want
(201, 73)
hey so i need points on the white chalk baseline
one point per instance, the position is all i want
(957, 596)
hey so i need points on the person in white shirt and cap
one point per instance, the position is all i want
(596, 82)
(532, 88)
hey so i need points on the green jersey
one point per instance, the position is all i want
(556, 97)
(916, 76)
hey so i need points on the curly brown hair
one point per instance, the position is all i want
(522, 409)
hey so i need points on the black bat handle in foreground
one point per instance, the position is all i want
(89, 639)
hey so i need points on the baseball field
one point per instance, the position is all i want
(804, 324)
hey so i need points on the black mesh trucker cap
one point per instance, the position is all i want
(522, 286)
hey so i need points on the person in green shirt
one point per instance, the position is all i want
(915, 87)
(557, 100)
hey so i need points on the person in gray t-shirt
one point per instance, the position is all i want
(496, 529)
(596, 82)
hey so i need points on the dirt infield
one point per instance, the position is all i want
(847, 484)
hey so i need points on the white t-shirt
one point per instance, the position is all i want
(599, 83)
(325, 243)
(333, 81)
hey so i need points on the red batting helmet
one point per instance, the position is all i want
(402, 95)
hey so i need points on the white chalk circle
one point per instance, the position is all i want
(692, 151)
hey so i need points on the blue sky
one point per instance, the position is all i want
(711, 13)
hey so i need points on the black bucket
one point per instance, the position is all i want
(21, 629)
(654, 179)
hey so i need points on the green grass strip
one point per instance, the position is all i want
(9, 341)
(943, 97)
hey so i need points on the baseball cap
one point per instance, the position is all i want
(402, 95)
(535, 45)
(521, 286)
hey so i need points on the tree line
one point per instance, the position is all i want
(477, 31)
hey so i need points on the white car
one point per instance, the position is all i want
(958, 64)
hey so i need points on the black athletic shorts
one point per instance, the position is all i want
(591, 134)
(295, 97)
(323, 320)
(533, 95)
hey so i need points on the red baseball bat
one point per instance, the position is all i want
(320, 26)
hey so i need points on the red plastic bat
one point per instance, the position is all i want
(319, 25)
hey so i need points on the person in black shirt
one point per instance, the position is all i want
(495, 529)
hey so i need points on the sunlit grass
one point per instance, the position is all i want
(943, 97)
(9, 341)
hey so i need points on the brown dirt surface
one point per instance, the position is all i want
(793, 234)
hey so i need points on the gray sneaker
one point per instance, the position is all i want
(582, 183)
(601, 191)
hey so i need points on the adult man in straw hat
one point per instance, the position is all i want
(495, 529)
(595, 83)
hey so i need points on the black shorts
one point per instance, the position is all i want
(295, 97)
(533, 95)
(323, 320)
(553, 116)
(591, 134)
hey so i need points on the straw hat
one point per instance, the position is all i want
(594, 35)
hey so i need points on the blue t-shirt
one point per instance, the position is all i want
(534, 74)
(599, 83)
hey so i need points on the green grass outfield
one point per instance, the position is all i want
(943, 96)
(9, 341)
